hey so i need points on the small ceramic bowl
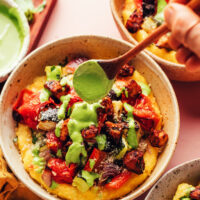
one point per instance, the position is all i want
(25, 44)
(173, 70)
(166, 187)
(92, 47)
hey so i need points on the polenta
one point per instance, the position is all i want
(77, 150)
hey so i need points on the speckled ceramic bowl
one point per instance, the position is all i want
(173, 70)
(92, 47)
(166, 187)
(25, 43)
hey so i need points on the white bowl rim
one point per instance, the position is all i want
(135, 42)
(180, 166)
(25, 44)
(151, 62)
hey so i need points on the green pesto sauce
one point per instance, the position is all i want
(131, 135)
(58, 128)
(82, 116)
(62, 110)
(11, 36)
(91, 82)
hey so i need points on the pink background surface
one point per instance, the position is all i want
(79, 17)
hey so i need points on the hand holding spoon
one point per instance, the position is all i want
(93, 79)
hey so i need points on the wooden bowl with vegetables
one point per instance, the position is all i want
(67, 148)
(136, 19)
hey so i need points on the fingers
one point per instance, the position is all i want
(192, 39)
(180, 19)
(183, 54)
(193, 64)
(185, 26)
(173, 43)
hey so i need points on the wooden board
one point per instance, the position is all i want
(39, 23)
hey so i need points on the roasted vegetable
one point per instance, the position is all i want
(61, 172)
(134, 161)
(119, 180)
(135, 21)
(126, 70)
(158, 138)
(195, 194)
(97, 156)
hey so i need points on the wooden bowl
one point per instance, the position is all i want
(165, 188)
(92, 47)
(173, 70)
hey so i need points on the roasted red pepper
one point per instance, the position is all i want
(97, 156)
(61, 172)
(53, 142)
(28, 106)
(119, 180)
(145, 114)
(73, 64)
(74, 98)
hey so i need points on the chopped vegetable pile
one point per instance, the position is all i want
(86, 145)
(148, 15)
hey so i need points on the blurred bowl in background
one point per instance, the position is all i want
(14, 37)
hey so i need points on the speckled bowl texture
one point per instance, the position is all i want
(173, 70)
(166, 187)
(92, 47)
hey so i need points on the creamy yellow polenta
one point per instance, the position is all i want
(67, 191)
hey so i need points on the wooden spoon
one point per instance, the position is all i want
(112, 66)
(89, 80)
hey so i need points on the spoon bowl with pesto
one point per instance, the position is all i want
(93, 79)
(14, 37)
(91, 47)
